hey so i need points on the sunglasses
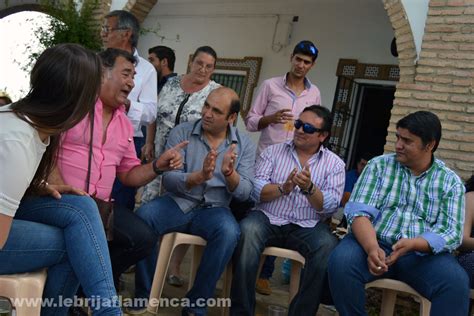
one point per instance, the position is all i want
(307, 128)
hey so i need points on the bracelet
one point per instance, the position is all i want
(157, 170)
(280, 188)
(230, 173)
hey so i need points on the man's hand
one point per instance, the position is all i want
(281, 116)
(55, 190)
(376, 261)
(400, 248)
(148, 152)
(229, 159)
(172, 159)
(209, 165)
(303, 179)
(289, 184)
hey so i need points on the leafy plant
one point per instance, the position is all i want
(70, 22)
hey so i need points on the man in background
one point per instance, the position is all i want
(121, 30)
(163, 59)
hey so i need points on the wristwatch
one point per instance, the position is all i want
(310, 190)
(155, 167)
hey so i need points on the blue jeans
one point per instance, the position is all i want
(66, 236)
(216, 225)
(439, 278)
(314, 244)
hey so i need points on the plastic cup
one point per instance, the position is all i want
(275, 310)
(289, 126)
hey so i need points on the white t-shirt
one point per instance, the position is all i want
(21, 150)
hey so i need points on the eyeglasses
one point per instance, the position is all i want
(307, 128)
(308, 47)
(106, 30)
(201, 65)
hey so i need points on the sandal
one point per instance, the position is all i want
(175, 280)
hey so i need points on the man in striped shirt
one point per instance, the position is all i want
(406, 215)
(298, 184)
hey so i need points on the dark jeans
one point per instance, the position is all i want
(133, 241)
(314, 244)
(268, 267)
(216, 225)
(439, 278)
(122, 194)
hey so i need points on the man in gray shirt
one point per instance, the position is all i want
(218, 166)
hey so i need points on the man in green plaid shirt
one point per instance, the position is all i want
(406, 215)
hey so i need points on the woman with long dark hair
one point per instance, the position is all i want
(70, 242)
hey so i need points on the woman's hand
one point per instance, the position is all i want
(55, 190)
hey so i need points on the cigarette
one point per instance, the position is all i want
(379, 268)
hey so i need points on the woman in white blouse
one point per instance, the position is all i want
(70, 242)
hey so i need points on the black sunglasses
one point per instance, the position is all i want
(307, 128)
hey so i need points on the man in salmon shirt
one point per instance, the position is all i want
(113, 154)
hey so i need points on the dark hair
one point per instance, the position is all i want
(365, 156)
(126, 20)
(207, 50)
(234, 107)
(164, 52)
(64, 85)
(306, 48)
(423, 124)
(325, 114)
(110, 55)
(6, 97)
(470, 184)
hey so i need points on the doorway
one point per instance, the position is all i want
(373, 107)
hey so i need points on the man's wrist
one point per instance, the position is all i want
(229, 173)
(156, 169)
(282, 189)
(309, 191)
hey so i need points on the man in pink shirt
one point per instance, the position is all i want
(281, 99)
(278, 102)
(113, 154)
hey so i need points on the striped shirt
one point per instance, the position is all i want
(273, 167)
(401, 205)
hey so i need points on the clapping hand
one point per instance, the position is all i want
(303, 178)
(229, 159)
(209, 165)
(289, 184)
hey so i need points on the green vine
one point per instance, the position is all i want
(67, 24)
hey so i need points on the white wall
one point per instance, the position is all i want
(417, 12)
(340, 29)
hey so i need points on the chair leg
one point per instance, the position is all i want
(260, 265)
(164, 256)
(388, 302)
(195, 261)
(295, 278)
(226, 285)
(425, 307)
